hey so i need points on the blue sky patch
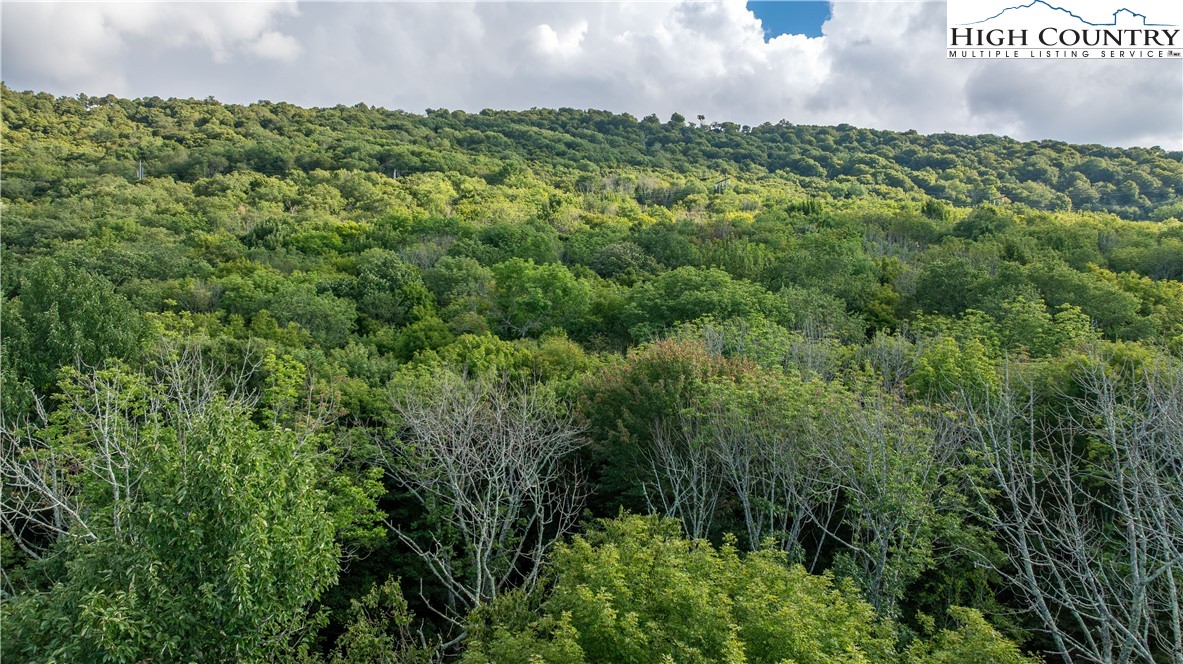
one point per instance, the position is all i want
(786, 17)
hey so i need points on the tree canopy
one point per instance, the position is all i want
(349, 384)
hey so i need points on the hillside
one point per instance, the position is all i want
(350, 384)
(190, 139)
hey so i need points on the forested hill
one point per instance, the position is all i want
(190, 139)
(349, 385)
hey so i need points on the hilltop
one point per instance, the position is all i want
(190, 139)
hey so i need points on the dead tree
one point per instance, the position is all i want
(489, 461)
(888, 465)
(1089, 509)
(115, 419)
(768, 459)
(685, 481)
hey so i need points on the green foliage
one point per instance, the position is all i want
(454, 279)
(65, 317)
(1025, 324)
(625, 261)
(501, 242)
(209, 542)
(947, 366)
(634, 590)
(427, 334)
(1114, 310)
(380, 630)
(936, 210)
(689, 293)
(327, 318)
(531, 299)
(482, 354)
(984, 220)
(973, 641)
(832, 264)
(622, 402)
(390, 290)
(840, 295)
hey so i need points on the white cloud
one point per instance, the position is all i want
(276, 46)
(878, 64)
(566, 44)
(88, 46)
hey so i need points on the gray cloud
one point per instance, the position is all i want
(878, 64)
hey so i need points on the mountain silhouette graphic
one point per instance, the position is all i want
(1034, 3)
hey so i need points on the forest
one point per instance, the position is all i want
(285, 384)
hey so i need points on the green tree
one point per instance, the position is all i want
(531, 299)
(973, 641)
(184, 530)
(622, 403)
(329, 319)
(985, 219)
(689, 293)
(380, 630)
(633, 590)
(390, 290)
(69, 318)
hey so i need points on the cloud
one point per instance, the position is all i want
(90, 46)
(275, 46)
(566, 44)
(877, 64)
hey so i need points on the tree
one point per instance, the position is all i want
(890, 466)
(1115, 311)
(389, 289)
(973, 642)
(181, 528)
(531, 299)
(685, 481)
(1092, 527)
(624, 261)
(488, 461)
(751, 440)
(1025, 323)
(627, 402)
(984, 220)
(832, 263)
(69, 318)
(535, 242)
(692, 604)
(327, 318)
(766, 437)
(936, 210)
(633, 590)
(690, 293)
(380, 631)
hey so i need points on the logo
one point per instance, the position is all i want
(1070, 29)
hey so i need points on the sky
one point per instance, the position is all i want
(876, 63)
(796, 17)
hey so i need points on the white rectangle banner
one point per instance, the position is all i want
(1070, 29)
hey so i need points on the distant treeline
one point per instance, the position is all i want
(190, 139)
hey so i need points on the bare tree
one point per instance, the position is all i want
(489, 461)
(768, 459)
(812, 354)
(888, 465)
(1089, 508)
(114, 416)
(42, 495)
(425, 254)
(40, 503)
(685, 478)
(891, 357)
